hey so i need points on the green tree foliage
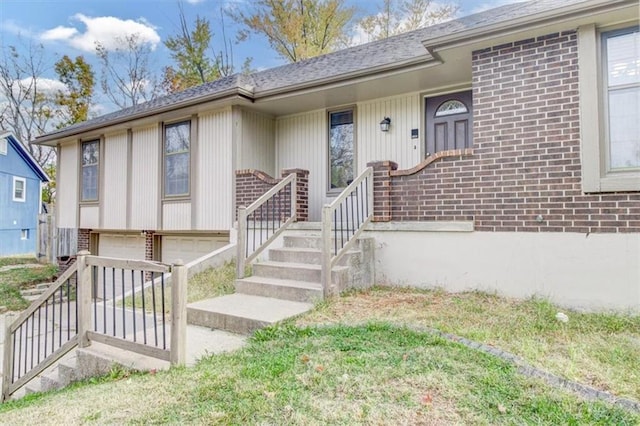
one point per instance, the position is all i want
(79, 78)
(196, 62)
(299, 29)
(399, 16)
(189, 50)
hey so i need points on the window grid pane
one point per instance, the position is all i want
(90, 162)
(18, 191)
(177, 144)
(623, 98)
(341, 141)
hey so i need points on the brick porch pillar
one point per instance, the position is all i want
(302, 192)
(382, 189)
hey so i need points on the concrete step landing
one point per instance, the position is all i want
(243, 313)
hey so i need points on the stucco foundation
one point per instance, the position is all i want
(583, 271)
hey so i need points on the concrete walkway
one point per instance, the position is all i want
(201, 342)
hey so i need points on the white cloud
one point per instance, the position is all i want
(195, 1)
(45, 86)
(59, 33)
(14, 28)
(107, 30)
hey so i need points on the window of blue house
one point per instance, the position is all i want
(90, 168)
(19, 189)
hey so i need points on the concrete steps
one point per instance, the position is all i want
(33, 293)
(99, 359)
(297, 291)
(285, 285)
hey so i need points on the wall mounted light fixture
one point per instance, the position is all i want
(385, 124)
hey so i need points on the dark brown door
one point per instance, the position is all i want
(449, 121)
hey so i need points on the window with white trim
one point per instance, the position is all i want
(177, 149)
(19, 189)
(90, 170)
(609, 82)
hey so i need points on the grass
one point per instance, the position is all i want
(356, 360)
(376, 373)
(204, 285)
(13, 280)
(598, 349)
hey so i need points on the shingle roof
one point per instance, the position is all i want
(392, 51)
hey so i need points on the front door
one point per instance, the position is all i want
(449, 120)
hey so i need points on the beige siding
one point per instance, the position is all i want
(214, 186)
(257, 143)
(89, 216)
(396, 144)
(145, 187)
(188, 248)
(67, 184)
(176, 216)
(301, 141)
(126, 246)
(114, 187)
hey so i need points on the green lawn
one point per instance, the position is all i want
(11, 281)
(356, 360)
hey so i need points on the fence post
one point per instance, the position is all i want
(241, 246)
(84, 288)
(325, 272)
(7, 361)
(178, 314)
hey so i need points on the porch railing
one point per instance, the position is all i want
(343, 221)
(134, 308)
(41, 334)
(138, 306)
(264, 220)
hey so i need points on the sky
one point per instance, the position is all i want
(72, 27)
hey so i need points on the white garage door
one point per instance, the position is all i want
(121, 246)
(189, 248)
(113, 282)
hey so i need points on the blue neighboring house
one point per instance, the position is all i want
(21, 180)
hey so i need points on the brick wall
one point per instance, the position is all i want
(83, 239)
(251, 184)
(525, 160)
(148, 245)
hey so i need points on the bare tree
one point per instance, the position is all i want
(127, 78)
(27, 100)
(399, 16)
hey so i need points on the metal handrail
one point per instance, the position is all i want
(359, 196)
(243, 257)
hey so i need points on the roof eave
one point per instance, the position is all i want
(343, 78)
(26, 155)
(49, 139)
(524, 22)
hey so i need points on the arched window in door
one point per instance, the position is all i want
(451, 107)
(449, 121)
